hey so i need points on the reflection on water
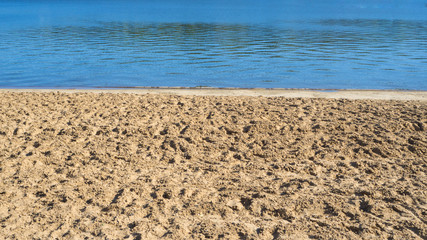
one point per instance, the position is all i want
(292, 53)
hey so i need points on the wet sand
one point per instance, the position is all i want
(253, 92)
(98, 164)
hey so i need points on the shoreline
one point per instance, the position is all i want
(264, 92)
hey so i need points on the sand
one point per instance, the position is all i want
(251, 92)
(148, 166)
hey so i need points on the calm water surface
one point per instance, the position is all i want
(289, 44)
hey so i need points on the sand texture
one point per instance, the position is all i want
(117, 166)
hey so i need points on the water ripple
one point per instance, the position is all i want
(124, 53)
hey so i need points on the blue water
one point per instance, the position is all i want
(328, 44)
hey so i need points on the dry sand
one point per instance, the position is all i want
(115, 166)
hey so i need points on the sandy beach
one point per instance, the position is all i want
(147, 165)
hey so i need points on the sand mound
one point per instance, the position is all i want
(149, 166)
